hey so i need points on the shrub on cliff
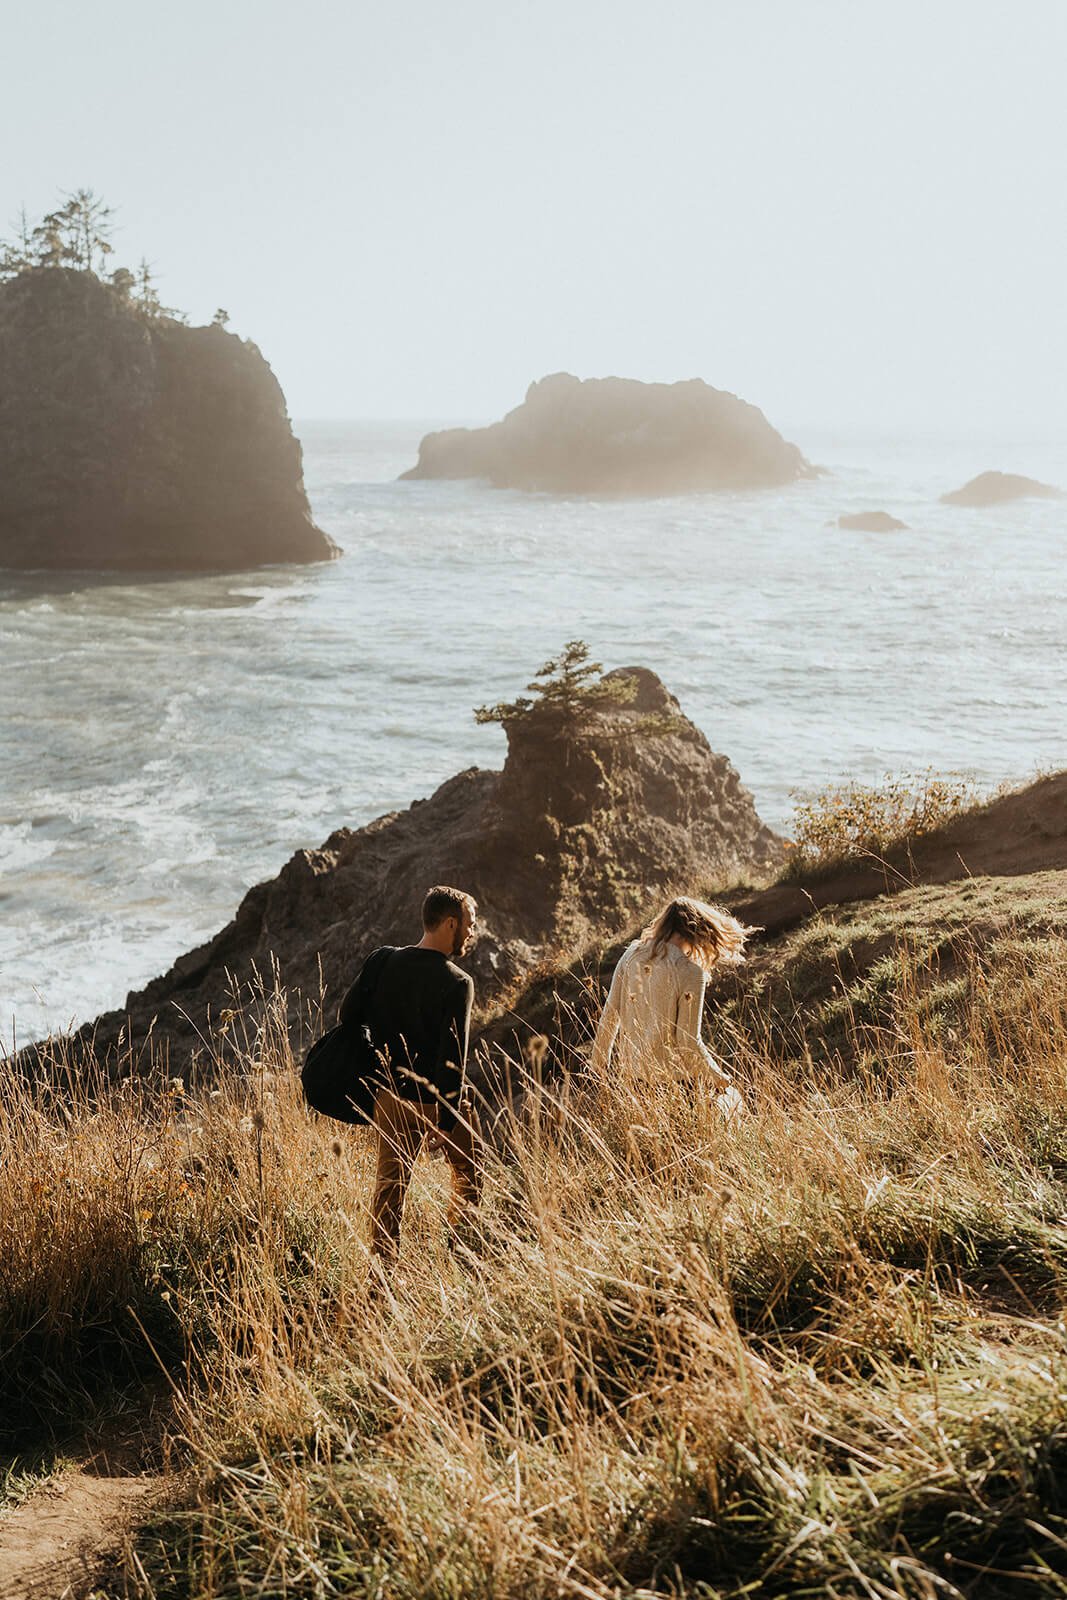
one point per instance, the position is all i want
(851, 821)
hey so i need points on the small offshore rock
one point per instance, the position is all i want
(870, 522)
(996, 488)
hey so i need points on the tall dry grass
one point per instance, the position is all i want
(820, 1351)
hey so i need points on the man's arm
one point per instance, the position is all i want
(452, 1050)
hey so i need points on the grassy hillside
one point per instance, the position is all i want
(820, 1351)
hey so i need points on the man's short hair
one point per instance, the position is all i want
(442, 902)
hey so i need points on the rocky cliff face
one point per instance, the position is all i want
(618, 436)
(134, 443)
(579, 834)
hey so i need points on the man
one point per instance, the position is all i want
(418, 1019)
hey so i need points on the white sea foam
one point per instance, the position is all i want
(21, 849)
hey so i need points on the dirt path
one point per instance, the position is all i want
(53, 1546)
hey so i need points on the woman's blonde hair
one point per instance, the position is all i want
(710, 934)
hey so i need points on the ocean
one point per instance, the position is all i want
(167, 742)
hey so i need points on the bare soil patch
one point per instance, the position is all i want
(54, 1545)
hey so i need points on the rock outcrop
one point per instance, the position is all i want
(994, 488)
(139, 443)
(618, 436)
(870, 522)
(579, 834)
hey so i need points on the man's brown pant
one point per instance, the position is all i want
(401, 1126)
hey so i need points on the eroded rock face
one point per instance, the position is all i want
(618, 436)
(579, 834)
(870, 522)
(139, 444)
(994, 488)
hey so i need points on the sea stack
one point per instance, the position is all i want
(618, 436)
(583, 831)
(997, 488)
(131, 441)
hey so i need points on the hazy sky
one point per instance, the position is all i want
(847, 212)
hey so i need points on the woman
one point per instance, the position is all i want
(656, 1000)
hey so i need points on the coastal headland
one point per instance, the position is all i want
(131, 441)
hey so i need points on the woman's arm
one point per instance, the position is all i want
(608, 1026)
(688, 1018)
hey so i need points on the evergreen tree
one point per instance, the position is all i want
(145, 293)
(77, 234)
(90, 223)
(16, 253)
(49, 246)
(564, 692)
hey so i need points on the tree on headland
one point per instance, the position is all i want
(77, 235)
(16, 254)
(569, 691)
(144, 290)
(85, 224)
(564, 692)
(146, 295)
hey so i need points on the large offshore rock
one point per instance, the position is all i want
(576, 836)
(994, 488)
(134, 442)
(618, 436)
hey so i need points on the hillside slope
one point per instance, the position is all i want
(831, 946)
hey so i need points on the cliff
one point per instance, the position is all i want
(134, 442)
(618, 436)
(576, 836)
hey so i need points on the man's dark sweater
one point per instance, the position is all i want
(418, 1018)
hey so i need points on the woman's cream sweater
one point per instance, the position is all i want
(653, 1011)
